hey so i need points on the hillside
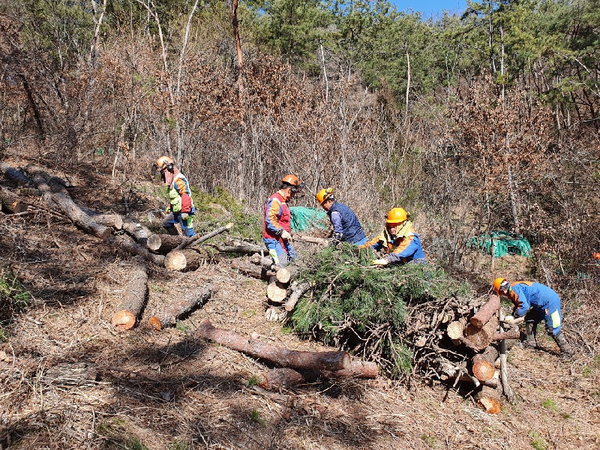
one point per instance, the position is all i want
(71, 381)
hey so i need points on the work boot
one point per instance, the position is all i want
(530, 340)
(565, 348)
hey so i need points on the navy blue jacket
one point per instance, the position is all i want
(349, 226)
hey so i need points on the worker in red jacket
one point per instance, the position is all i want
(277, 231)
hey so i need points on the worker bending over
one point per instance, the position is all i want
(346, 226)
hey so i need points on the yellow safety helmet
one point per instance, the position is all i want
(500, 284)
(165, 163)
(324, 194)
(396, 215)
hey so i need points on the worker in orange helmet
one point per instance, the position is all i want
(398, 240)
(181, 206)
(535, 302)
(346, 226)
(277, 231)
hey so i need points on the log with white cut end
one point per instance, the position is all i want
(134, 296)
(238, 247)
(127, 243)
(139, 232)
(486, 312)
(276, 293)
(455, 330)
(252, 270)
(110, 220)
(479, 338)
(184, 260)
(177, 309)
(164, 243)
(357, 369)
(264, 261)
(282, 357)
(283, 275)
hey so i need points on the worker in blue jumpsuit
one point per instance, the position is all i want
(346, 226)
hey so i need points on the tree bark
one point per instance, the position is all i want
(480, 338)
(312, 240)
(357, 369)
(127, 243)
(239, 247)
(163, 243)
(297, 292)
(282, 357)
(172, 313)
(252, 270)
(10, 202)
(134, 296)
(69, 208)
(280, 379)
(513, 333)
(486, 312)
(109, 220)
(139, 232)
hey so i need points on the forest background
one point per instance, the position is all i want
(479, 122)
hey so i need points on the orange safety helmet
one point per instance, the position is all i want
(500, 284)
(165, 163)
(293, 181)
(396, 215)
(324, 194)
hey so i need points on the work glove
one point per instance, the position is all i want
(285, 235)
(338, 236)
(380, 262)
(184, 216)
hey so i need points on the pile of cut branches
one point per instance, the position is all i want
(395, 315)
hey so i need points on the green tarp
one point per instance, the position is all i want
(304, 218)
(504, 244)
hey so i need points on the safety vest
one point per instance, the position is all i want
(351, 229)
(277, 216)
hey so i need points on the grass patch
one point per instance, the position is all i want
(115, 435)
(537, 441)
(13, 298)
(429, 439)
(550, 404)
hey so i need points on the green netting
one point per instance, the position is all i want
(504, 244)
(304, 218)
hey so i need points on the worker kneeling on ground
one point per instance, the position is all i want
(535, 302)
(346, 226)
(181, 206)
(277, 232)
(398, 240)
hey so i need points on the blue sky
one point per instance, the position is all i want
(431, 7)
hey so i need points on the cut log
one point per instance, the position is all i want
(507, 389)
(184, 260)
(280, 379)
(282, 357)
(238, 247)
(252, 270)
(357, 369)
(284, 275)
(127, 243)
(263, 261)
(480, 338)
(489, 399)
(513, 333)
(484, 364)
(487, 311)
(134, 296)
(297, 292)
(197, 239)
(455, 329)
(139, 232)
(176, 310)
(70, 209)
(10, 202)
(13, 174)
(110, 220)
(163, 243)
(276, 293)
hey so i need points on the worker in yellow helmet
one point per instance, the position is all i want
(398, 240)
(346, 226)
(181, 207)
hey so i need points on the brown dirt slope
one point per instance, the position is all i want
(70, 381)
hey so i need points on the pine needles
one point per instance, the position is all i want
(362, 308)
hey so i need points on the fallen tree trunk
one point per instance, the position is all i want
(134, 296)
(253, 271)
(10, 202)
(263, 261)
(127, 243)
(69, 208)
(480, 338)
(197, 239)
(238, 247)
(513, 333)
(14, 175)
(282, 357)
(357, 369)
(297, 292)
(506, 387)
(279, 379)
(487, 311)
(184, 260)
(164, 243)
(312, 240)
(110, 220)
(484, 364)
(172, 313)
(139, 232)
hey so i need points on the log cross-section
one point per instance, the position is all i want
(282, 357)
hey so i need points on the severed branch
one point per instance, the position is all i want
(297, 292)
(172, 313)
(197, 239)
